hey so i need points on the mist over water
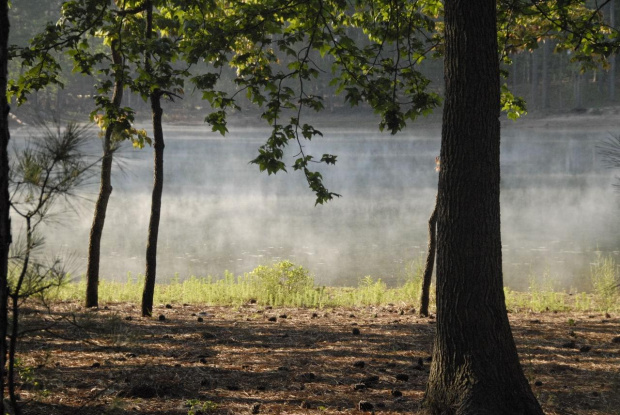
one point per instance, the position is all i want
(219, 213)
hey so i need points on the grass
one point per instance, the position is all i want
(606, 282)
(286, 284)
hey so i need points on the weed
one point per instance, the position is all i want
(28, 379)
(582, 302)
(543, 296)
(197, 407)
(413, 280)
(606, 282)
(370, 292)
(283, 283)
(286, 284)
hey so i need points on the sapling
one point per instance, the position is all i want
(49, 169)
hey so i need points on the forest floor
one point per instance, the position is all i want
(253, 359)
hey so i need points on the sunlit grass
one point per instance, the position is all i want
(286, 284)
(606, 283)
(542, 296)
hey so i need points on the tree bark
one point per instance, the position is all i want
(16, 297)
(475, 367)
(612, 58)
(430, 263)
(105, 190)
(5, 221)
(158, 183)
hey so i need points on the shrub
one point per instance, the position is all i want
(282, 283)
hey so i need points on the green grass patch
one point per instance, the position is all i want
(606, 283)
(290, 285)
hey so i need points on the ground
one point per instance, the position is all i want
(254, 359)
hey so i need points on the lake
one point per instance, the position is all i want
(559, 207)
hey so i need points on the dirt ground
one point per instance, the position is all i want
(254, 359)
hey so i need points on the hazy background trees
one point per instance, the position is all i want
(544, 77)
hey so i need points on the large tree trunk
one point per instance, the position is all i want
(5, 223)
(475, 367)
(105, 190)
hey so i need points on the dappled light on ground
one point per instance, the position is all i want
(263, 360)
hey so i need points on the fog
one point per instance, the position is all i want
(219, 213)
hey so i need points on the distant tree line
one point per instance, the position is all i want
(548, 79)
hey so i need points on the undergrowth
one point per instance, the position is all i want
(286, 284)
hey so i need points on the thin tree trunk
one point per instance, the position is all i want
(105, 190)
(577, 88)
(612, 58)
(545, 73)
(5, 222)
(430, 263)
(475, 369)
(533, 101)
(15, 297)
(514, 73)
(158, 183)
(12, 349)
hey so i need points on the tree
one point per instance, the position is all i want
(159, 79)
(475, 367)
(430, 263)
(5, 224)
(427, 275)
(474, 370)
(105, 190)
(51, 167)
(78, 33)
(158, 176)
(116, 123)
(612, 58)
(140, 61)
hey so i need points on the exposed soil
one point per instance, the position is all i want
(241, 361)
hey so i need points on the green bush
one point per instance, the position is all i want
(283, 283)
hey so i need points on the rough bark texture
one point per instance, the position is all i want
(105, 190)
(430, 262)
(475, 367)
(5, 224)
